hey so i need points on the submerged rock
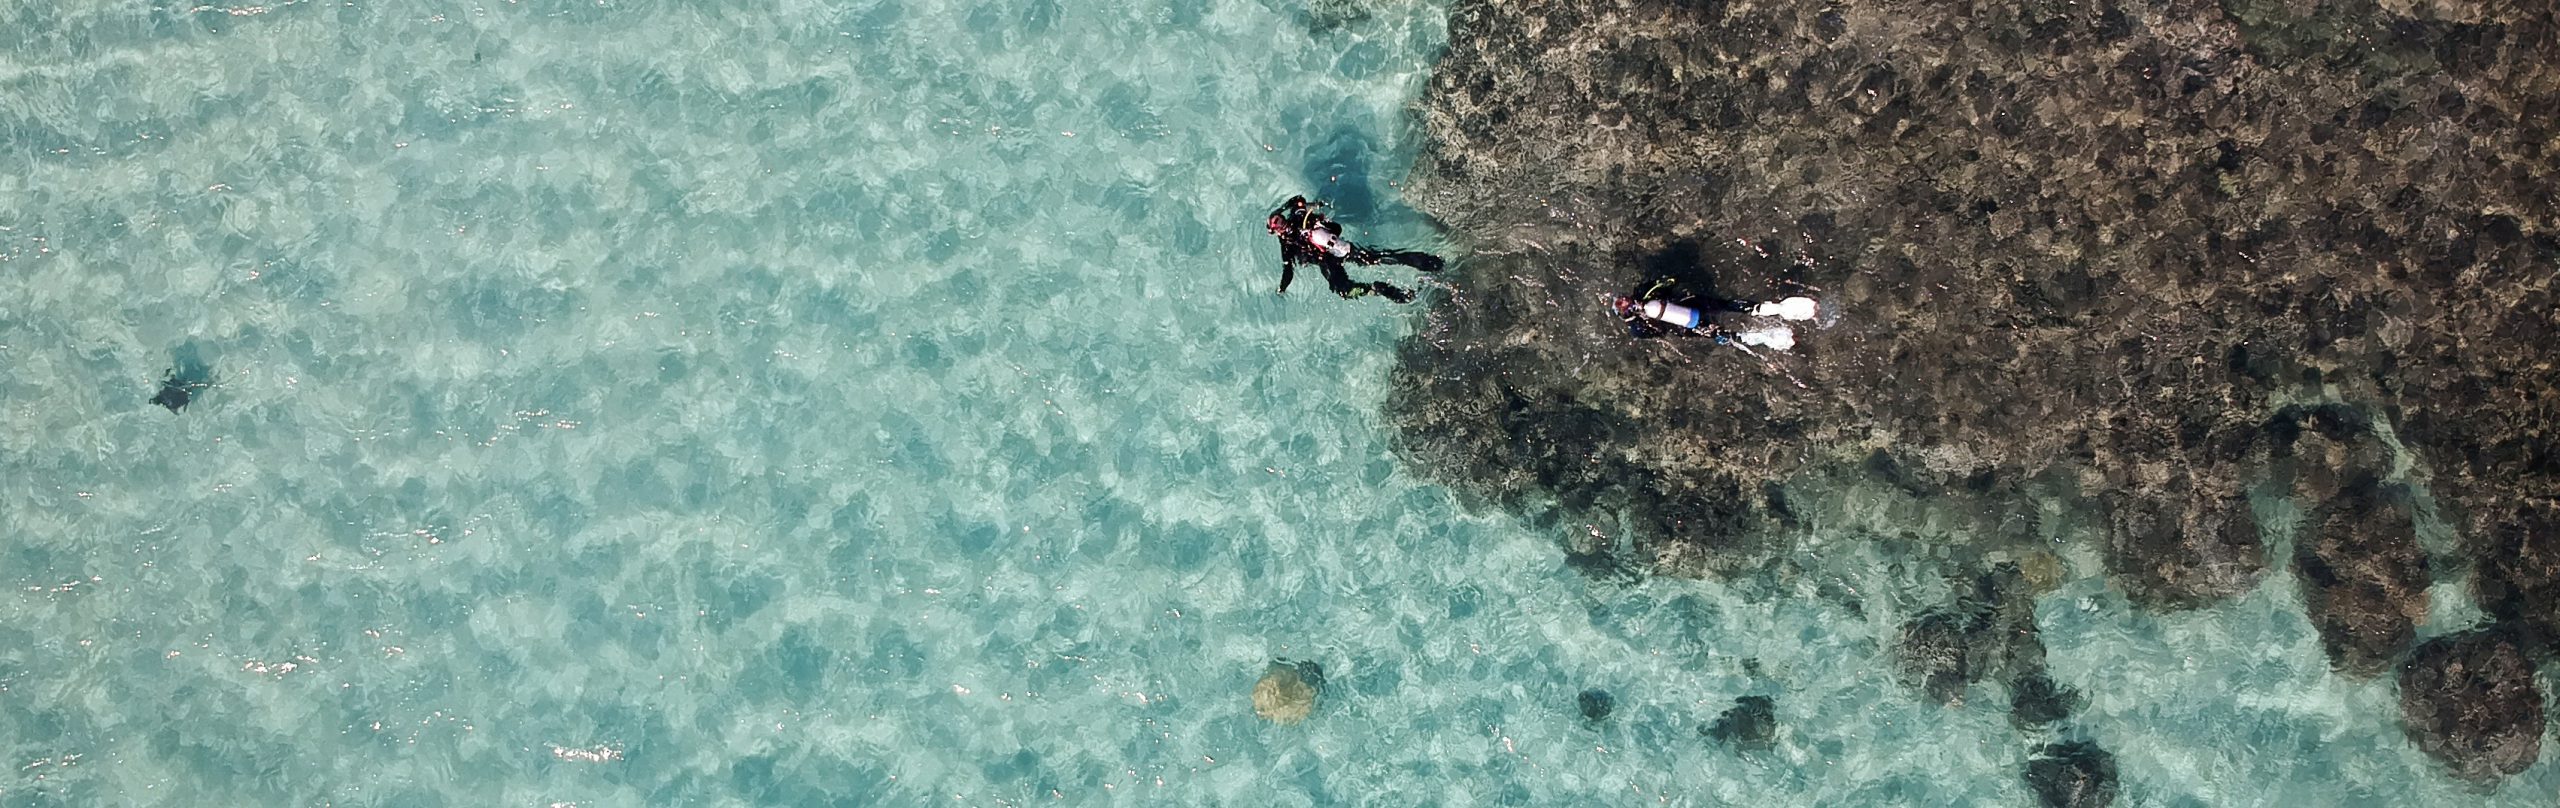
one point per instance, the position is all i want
(2036, 700)
(2363, 576)
(2043, 570)
(1987, 634)
(1942, 653)
(2171, 555)
(1596, 704)
(2324, 450)
(2518, 578)
(1288, 691)
(2073, 774)
(1751, 724)
(177, 391)
(2469, 700)
(1327, 15)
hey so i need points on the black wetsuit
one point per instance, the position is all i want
(1299, 220)
(1668, 290)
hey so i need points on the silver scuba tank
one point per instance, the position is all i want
(1672, 313)
(1325, 240)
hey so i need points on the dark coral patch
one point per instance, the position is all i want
(2363, 576)
(2469, 700)
(1750, 724)
(2073, 774)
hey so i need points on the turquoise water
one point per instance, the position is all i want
(881, 403)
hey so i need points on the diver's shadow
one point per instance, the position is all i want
(1340, 171)
(1683, 260)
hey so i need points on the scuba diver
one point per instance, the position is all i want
(1310, 237)
(1658, 308)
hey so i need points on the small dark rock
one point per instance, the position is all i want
(1937, 654)
(2036, 700)
(177, 391)
(1309, 670)
(1596, 704)
(1750, 724)
(2469, 700)
(1601, 566)
(1328, 15)
(2073, 774)
(1831, 24)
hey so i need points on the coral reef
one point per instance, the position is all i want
(2173, 554)
(2079, 252)
(2517, 579)
(2363, 577)
(2469, 700)
(2115, 272)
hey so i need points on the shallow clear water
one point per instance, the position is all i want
(885, 403)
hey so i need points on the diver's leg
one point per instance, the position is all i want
(1713, 303)
(1343, 285)
(1414, 258)
(1342, 282)
(1418, 260)
(1339, 281)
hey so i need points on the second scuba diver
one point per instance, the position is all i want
(1658, 308)
(1311, 238)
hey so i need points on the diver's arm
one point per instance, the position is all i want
(1288, 268)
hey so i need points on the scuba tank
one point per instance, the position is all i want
(1327, 241)
(1672, 313)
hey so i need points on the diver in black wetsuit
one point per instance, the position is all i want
(1659, 308)
(1309, 237)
